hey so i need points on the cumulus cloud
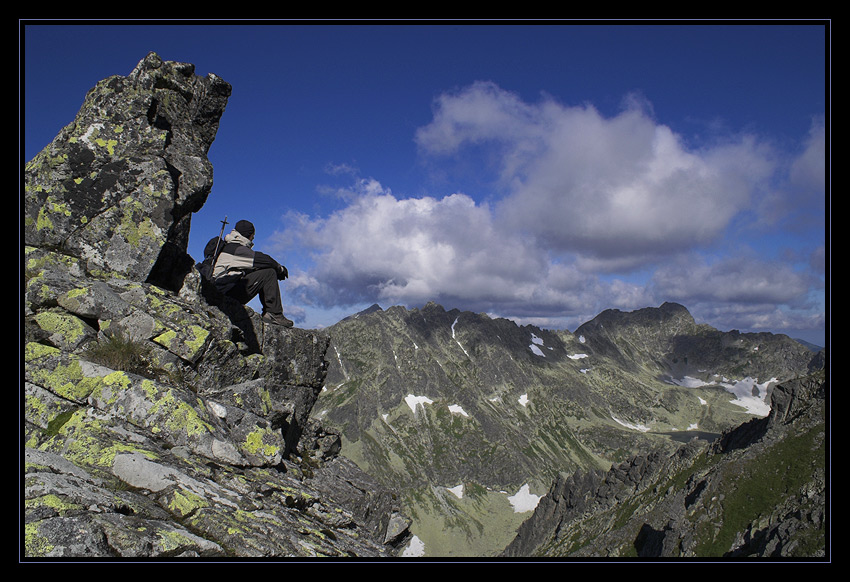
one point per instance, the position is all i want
(737, 279)
(808, 171)
(415, 250)
(798, 200)
(409, 251)
(581, 201)
(613, 188)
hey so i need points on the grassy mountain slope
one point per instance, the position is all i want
(758, 491)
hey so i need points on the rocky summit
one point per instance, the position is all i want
(161, 420)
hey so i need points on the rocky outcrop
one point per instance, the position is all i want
(758, 491)
(160, 419)
(117, 186)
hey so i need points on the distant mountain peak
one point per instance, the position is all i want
(371, 309)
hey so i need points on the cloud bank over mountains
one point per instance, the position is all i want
(583, 212)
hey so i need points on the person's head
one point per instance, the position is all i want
(246, 229)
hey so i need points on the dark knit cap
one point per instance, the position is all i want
(245, 228)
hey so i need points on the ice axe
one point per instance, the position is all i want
(218, 242)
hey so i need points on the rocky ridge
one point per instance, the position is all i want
(161, 419)
(465, 413)
(758, 491)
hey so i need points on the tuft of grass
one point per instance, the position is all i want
(115, 351)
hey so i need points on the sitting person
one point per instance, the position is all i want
(242, 273)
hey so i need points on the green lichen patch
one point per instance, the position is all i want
(265, 442)
(176, 416)
(65, 330)
(182, 502)
(51, 208)
(59, 372)
(88, 441)
(36, 544)
(52, 504)
(188, 343)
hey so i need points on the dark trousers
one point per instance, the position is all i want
(264, 282)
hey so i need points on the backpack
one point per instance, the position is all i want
(211, 253)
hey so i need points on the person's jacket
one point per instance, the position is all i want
(235, 259)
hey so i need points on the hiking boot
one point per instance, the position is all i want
(277, 319)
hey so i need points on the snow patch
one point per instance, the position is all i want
(577, 356)
(341, 366)
(524, 500)
(453, 337)
(415, 549)
(458, 491)
(536, 341)
(750, 395)
(414, 401)
(523, 399)
(456, 409)
(640, 427)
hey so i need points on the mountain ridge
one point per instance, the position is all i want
(523, 404)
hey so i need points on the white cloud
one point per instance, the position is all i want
(739, 279)
(450, 250)
(808, 172)
(799, 203)
(611, 187)
(579, 198)
(414, 250)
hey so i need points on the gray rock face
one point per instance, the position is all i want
(117, 187)
(163, 420)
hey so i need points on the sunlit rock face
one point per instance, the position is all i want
(117, 186)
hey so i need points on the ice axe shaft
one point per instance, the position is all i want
(218, 242)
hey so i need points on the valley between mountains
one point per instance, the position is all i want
(472, 419)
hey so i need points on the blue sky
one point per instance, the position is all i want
(542, 173)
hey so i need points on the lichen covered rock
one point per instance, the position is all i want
(117, 186)
(162, 420)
